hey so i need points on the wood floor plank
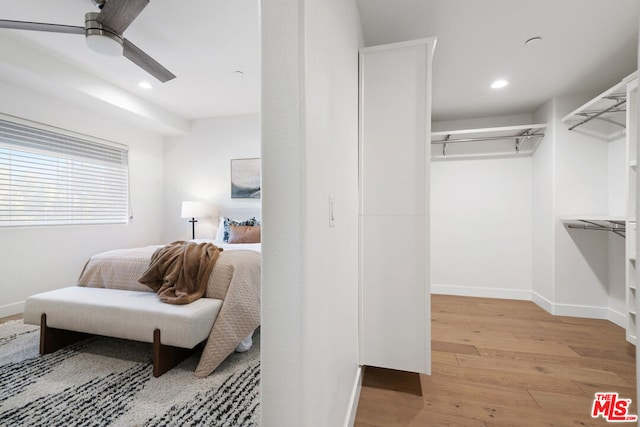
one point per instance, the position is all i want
(389, 415)
(555, 370)
(538, 331)
(492, 377)
(504, 396)
(508, 363)
(626, 356)
(448, 347)
(467, 336)
(440, 357)
(624, 369)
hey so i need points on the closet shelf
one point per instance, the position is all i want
(615, 224)
(496, 141)
(604, 116)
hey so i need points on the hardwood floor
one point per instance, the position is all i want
(503, 363)
(7, 319)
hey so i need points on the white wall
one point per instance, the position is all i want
(617, 197)
(481, 220)
(576, 272)
(496, 228)
(617, 303)
(617, 177)
(481, 227)
(543, 210)
(37, 259)
(309, 151)
(198, 167)
(581, 256)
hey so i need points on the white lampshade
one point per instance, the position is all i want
(195, 210)
(105, 44)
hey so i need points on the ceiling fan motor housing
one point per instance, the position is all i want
(100, 38)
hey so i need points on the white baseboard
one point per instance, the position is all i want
(618, 318)
(471, 291)
(12, 309)
(353, 401)
(542, 302)
(573, 310)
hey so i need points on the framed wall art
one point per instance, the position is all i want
(245, 178)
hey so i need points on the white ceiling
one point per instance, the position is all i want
(203, 42)
(587, 46)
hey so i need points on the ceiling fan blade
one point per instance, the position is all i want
(38, 26)
(147, 63)
(117, 15)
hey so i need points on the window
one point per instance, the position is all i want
(51, 178)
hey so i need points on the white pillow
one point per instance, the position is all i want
(220, 232)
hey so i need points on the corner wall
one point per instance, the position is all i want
(309, 371)
(576, 272)
(543, 213)
(481, 227)
(481, 220)
(581, 257)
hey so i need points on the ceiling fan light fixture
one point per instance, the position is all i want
(106, 44)
(100, 39)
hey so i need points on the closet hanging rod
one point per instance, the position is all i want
(589, 113)
(615, 230)
(488, 138)
(596, 115)
(613, 122)
(619, 228)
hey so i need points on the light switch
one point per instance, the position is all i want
(332, 218)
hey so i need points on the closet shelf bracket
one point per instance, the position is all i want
(615, 108)
(605, 112)
(614, 226)
(444, 145)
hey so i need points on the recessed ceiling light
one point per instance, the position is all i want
(145, 85)
(238, 73)
(533, 40)
(500, 83)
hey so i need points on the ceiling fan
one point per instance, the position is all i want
(103, 31)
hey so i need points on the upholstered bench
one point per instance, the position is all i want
(70, 314)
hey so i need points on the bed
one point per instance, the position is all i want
(235, 279)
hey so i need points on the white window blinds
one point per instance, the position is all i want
(50, 178)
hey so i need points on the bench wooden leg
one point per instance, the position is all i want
(166, 357)
(52, 339)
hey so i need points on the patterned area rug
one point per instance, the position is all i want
(109, 382)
